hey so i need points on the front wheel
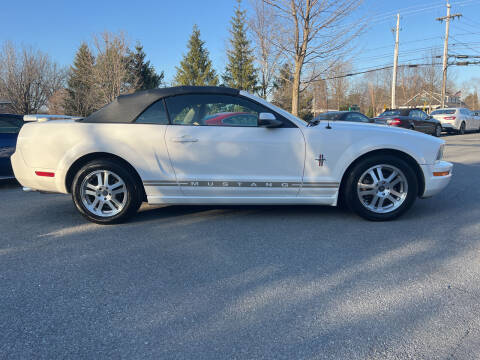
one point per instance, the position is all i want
(381, 188)
(105, 192)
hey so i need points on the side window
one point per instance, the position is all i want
(213, 110)
(9, 126)
(241, 120)
(422, 115)
(154, 114)
(356, 117)
(413, 114)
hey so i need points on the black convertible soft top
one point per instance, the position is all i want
(126, 108)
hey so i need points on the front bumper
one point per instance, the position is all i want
(434, 184)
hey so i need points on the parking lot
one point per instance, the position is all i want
(244, 282)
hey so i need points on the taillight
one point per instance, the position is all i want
(450, 118)
(394, 122)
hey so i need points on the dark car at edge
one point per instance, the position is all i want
(9, 128)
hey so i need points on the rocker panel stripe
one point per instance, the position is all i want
(260, 184)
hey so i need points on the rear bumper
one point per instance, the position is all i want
(448, 126)
(435, 184)
(26, 176)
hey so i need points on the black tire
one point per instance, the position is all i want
(438, 131)
(461, 131)
(350, 189)
(133, 191)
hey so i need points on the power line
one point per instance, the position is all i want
(466, 45)
(464, 63)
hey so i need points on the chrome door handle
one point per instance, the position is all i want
(184, 139)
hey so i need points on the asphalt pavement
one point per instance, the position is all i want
(244, 282)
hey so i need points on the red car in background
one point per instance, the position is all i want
(231, 119)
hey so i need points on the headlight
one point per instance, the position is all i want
(440, 153)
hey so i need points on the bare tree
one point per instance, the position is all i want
(339, 85)
(377, 85)
(111, 69)
(28, 78)
(315, 30)
(264, 29)
(56, 102)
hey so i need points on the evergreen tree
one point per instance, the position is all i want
(282, 94)
(80, 98)
(240, 71)
(142, 75)
(196, 68)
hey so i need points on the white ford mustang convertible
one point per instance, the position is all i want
(214, 145)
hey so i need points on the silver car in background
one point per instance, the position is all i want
(457, 120)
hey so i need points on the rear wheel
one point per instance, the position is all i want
(381, 188)
(438, 131)
(461, 131)
(105, 192)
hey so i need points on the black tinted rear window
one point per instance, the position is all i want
(330, 116)
(394, 113)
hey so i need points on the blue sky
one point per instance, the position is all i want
(164, 26)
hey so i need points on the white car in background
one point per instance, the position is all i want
(457, 120)
(173, 146)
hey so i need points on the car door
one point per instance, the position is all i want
(465, 117)
(418, 121)
(147, 136)
(476, 120)
(428, 123)
(236, 158)
(9, 128)
(413, 120)
(470, 119)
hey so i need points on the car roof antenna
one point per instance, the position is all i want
(328, 124)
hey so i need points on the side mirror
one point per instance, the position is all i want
(268, 120)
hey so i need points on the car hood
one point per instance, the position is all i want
(376, 129)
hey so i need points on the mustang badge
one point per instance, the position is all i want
(321, 160)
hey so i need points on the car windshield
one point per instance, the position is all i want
(391, 113)
(441, 112)
(329, 116)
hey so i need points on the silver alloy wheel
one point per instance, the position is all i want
(103, 193)
(382, 188)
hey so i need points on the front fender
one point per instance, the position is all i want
(357, 150)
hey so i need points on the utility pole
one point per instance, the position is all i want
(445, 49)
(395, 64)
